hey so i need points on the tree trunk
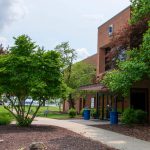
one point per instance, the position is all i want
(44, 103)
(71, 102)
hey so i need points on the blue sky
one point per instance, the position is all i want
(50, 22)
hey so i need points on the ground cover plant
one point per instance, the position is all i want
(72, 113)
(131, 116)
(5, 118)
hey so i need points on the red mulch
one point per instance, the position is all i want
(55, 138)
(138, 131)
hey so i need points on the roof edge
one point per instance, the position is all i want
(115, 16)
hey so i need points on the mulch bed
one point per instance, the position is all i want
(54, 138)
(138, 131)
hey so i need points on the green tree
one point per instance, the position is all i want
(28, 71)
(140, 10)
(68, 56)
(75, 75)
(82, 74)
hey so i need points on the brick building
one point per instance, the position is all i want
(140, 92)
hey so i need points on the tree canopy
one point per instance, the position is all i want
(28, 70)
(140, 10)
(82, 74)
(74, 74)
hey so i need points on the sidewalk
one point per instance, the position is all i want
(109, 138)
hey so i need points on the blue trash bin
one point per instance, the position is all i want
(86, 114)
(113, 117)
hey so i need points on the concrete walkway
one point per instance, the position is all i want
(109, 138)
(88, 122)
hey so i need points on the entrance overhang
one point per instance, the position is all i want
(94, 87)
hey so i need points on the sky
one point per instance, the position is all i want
(50, 22)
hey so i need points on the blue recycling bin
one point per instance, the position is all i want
(86, 114)
(113, 117)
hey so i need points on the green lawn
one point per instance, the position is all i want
(53, 112)
(43, 108)
(2, 110)
(55, 115)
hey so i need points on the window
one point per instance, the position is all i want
(110, 30)
(121, 54)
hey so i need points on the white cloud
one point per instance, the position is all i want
(82, 53)
(3, 41)
(10, 11)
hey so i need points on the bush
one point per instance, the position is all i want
(131, 116)
(72, 113)
(93, 113)
(140, 116)
(128, 116)
(82, 112)
(22, 122)
(5, 118)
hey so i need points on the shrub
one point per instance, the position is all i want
(5, 118)
(128, 116)
(82, 112)
(23, 122)
(140, 116)
(93, 112)
(72, 113)
(131, 116)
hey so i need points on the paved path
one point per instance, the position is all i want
(109, 138)
(88, 122)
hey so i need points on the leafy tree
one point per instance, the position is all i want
(137, 65)
(74, 75)
(28, 71)
(140, 10)
(68, 56)
(82, 74)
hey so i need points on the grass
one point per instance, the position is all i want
(5, 116)
(54, 115)
(53, 112)
(3, 110)
(43, 108)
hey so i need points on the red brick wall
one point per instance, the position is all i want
(91, 60)
(104, 39)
